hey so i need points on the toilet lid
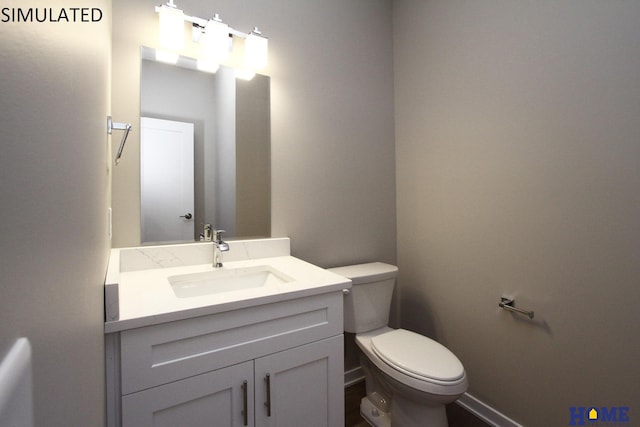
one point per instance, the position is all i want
(417, 355)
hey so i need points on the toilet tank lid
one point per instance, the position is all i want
(370, 272)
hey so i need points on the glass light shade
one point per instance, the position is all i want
(256, 51)
(208, 65)
(166, 56)
(171, 28)
(215, 41)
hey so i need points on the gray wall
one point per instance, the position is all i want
(54, 97)
(332, 156)
(518, 141)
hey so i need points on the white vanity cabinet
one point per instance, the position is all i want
(278, 364)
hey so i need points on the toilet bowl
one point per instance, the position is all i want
(409, 377)
(421, 374)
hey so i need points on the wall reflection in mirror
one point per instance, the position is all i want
(205, 153)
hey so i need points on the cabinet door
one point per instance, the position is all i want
(219, 398)
(303, 386)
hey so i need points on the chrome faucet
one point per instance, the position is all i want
(205, 236)
(219, 246)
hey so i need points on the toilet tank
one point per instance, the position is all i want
(367, 306)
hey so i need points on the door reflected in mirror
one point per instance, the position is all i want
(166, 181)
(230, 121)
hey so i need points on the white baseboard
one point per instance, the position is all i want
(353, 376)
(485, 412)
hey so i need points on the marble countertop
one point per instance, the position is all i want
(138, 292)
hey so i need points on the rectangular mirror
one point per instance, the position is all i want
(230, 177)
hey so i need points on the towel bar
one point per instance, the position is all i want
(126, 127)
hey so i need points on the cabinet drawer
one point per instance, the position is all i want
(160, 354)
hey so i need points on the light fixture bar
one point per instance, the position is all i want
(200, 22)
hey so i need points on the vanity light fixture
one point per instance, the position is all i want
(215, 38)
(256, 50)
(171, 33)
(215, 45)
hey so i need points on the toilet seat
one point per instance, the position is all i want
(417, 356)
(417, 382)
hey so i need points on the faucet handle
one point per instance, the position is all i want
(217, 235)
(206, 232)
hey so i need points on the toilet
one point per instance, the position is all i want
(409, 377)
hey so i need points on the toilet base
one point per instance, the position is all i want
(403, 413)
(409, 413)
(373, 415)
(397, 405)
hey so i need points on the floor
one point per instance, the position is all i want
(458, 417)
(352, 396)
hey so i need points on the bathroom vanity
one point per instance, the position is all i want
(258, 342)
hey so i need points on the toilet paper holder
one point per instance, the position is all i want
(508, 304)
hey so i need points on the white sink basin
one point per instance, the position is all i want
(225, 280)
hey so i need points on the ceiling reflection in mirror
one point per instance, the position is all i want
(231, 148)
